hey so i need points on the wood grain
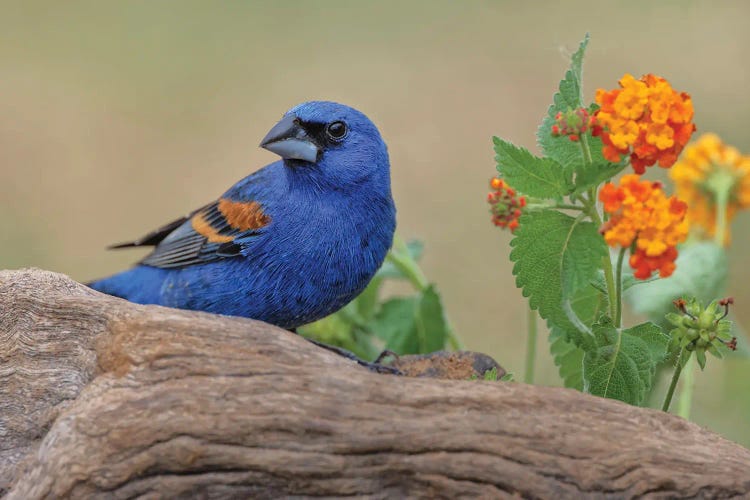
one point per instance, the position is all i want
(100, 398)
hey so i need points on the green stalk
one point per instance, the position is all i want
(681, 360)
(685, 401)
(531, 335)
(609, 273)
(722, 200)
(593, 212)
(399, 256)
(720, 185)
(618, 288)
(586, 149)
(568, 206)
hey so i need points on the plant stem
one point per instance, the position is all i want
(618, 288)
(722, 200)
(399, 256)
(586, 149)
(685, 399)
(531, 335)
(681, 360)
(568, 206)
(609, 273)
(593, 212)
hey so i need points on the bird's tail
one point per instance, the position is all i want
(142, 284)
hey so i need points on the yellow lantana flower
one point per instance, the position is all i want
(709, 175)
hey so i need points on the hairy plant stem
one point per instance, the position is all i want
(720, 185)
(586, 149)
(568, 206)
(618, 288)
(531, 335)
(685, 399)
(682, 359)
(593, 212)
(399, 256)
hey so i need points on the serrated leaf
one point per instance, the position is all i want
(588, 305)
(569, 96)
(701, 273)
(533, 176)
(600, 170)
(623, 364)
(555, 255)
(655, 338)
(567, 153)
(568, 358)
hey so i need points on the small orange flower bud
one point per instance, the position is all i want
(505, 206)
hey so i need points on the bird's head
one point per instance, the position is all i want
(334, 139)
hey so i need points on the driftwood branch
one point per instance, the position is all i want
(103, 398)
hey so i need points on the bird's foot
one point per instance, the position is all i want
(375, 366)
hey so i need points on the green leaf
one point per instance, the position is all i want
(628, 281)
(588, 304)
(412, 325)
(430, 322)
(533, 176)
(600, 170)
(491, 375)
(623, 364)
(367, 302)
(555, 255)
(568, 358)
(701, 273)
(394, 324)
(341, 329)
(655, 338)
(700, 356)
(561, 149)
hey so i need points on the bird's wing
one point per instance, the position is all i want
(212, 232)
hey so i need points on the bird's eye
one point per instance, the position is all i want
(336, 130)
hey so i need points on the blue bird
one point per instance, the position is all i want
(289, 244)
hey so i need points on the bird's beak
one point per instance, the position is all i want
(289, 140)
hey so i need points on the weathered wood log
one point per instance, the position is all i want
(100, 398)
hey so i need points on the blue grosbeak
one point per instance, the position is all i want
(289, 244)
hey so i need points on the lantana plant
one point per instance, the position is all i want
(574, 224)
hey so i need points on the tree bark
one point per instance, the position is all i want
(101, 398)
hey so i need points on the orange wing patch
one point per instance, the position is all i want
(237, 215)
(202, 227)
(243, 216)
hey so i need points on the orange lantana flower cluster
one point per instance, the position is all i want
(644, 219)
(505, 204)
(646, 119)
(707, 168)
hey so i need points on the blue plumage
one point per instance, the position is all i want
(289, 244)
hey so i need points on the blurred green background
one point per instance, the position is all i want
(116, 117)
